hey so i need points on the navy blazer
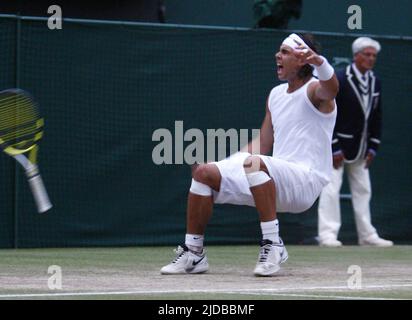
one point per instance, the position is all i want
(358, 127)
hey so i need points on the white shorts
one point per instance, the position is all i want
(297, 187)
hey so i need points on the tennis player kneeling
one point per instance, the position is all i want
(298, 126)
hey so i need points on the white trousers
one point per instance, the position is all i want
(329, 215)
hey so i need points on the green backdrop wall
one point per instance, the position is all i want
(104, 88)
(383, 17)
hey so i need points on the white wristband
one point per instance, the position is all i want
(325, 70)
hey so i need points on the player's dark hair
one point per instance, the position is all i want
(310, 40)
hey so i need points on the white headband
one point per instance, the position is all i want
(294, 41)
(323, 72)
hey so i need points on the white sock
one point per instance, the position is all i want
(270, 230)
(194, 242)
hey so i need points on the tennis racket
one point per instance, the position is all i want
(21, 127)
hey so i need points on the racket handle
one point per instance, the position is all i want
(39, 193)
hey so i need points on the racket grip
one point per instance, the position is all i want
(39, 193)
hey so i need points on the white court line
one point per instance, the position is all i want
(383, 286)
(316, 296)
(261, 291)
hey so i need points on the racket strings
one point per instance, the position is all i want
(16, 118)
(25, 129)
(15, 112)
(20, 122)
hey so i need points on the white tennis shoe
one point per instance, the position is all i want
(332, 243)
(375, 240)
(270, 257)
(186, 261)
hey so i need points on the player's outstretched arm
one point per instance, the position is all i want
(326, 89)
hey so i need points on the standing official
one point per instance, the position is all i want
(356, 139)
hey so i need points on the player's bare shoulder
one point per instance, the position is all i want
(323, 105)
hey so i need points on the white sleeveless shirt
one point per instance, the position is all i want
(302, 134)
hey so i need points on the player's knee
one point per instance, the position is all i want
(256, 171)
(204, 173)
(200, 174)
(202, 180)
(253, 164)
